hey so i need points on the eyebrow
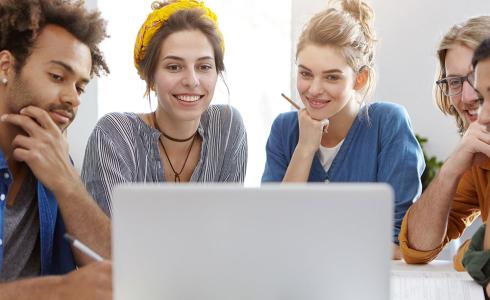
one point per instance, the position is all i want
(68, 68)
(454, 75)
(181, 59)
(323, 72)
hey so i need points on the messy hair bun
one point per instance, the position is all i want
(364, 15)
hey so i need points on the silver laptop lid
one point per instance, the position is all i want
(222, 242)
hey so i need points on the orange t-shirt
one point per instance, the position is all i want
(472, 198)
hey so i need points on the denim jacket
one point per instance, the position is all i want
(378, 148)
(56, 253)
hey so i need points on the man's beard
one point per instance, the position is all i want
(20, 96)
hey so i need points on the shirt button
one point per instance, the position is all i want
(6, 175)
(2, 197)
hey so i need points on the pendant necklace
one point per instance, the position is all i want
(192, 137)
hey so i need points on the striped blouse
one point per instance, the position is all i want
(122, 148)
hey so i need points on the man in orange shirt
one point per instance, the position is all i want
(458, 195)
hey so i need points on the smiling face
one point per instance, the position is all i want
(52, 78)
(185, 75)
(325, 81)
(458, 63)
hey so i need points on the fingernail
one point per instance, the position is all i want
(3, 117)
(22, 110)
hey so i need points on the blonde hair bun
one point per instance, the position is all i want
(364, 14)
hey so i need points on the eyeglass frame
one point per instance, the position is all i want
(470, 78)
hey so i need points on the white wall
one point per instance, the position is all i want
(408, 33)
(87, 116)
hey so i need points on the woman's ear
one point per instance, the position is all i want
(361, 78)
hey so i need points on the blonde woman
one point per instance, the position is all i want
(459, 194)
(179, 54)
(360, 142)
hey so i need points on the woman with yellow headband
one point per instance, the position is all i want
(179, 53)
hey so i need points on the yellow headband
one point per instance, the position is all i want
(157, 19)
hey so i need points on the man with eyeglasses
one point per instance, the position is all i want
(461, 190)
(460, 90)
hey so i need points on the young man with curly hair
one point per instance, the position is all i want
(48, 53)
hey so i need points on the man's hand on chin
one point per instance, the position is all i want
(45, 148)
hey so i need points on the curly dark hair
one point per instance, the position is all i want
(21, 21)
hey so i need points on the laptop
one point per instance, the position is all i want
(228, 242)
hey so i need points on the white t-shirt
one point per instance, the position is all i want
(327, 155)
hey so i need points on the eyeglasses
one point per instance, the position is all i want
(453, 85)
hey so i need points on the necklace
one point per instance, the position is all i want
(168, 136)
(176, 174)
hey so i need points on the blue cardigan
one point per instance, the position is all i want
(378, 148)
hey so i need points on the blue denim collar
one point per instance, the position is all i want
(3, 161)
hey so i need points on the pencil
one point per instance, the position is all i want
(82, 247)
(291, 101)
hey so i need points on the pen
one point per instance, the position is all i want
(291, 101)
(82, 247)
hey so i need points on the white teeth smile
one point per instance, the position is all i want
(318, 102)
(473, 112)
(189, 98)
